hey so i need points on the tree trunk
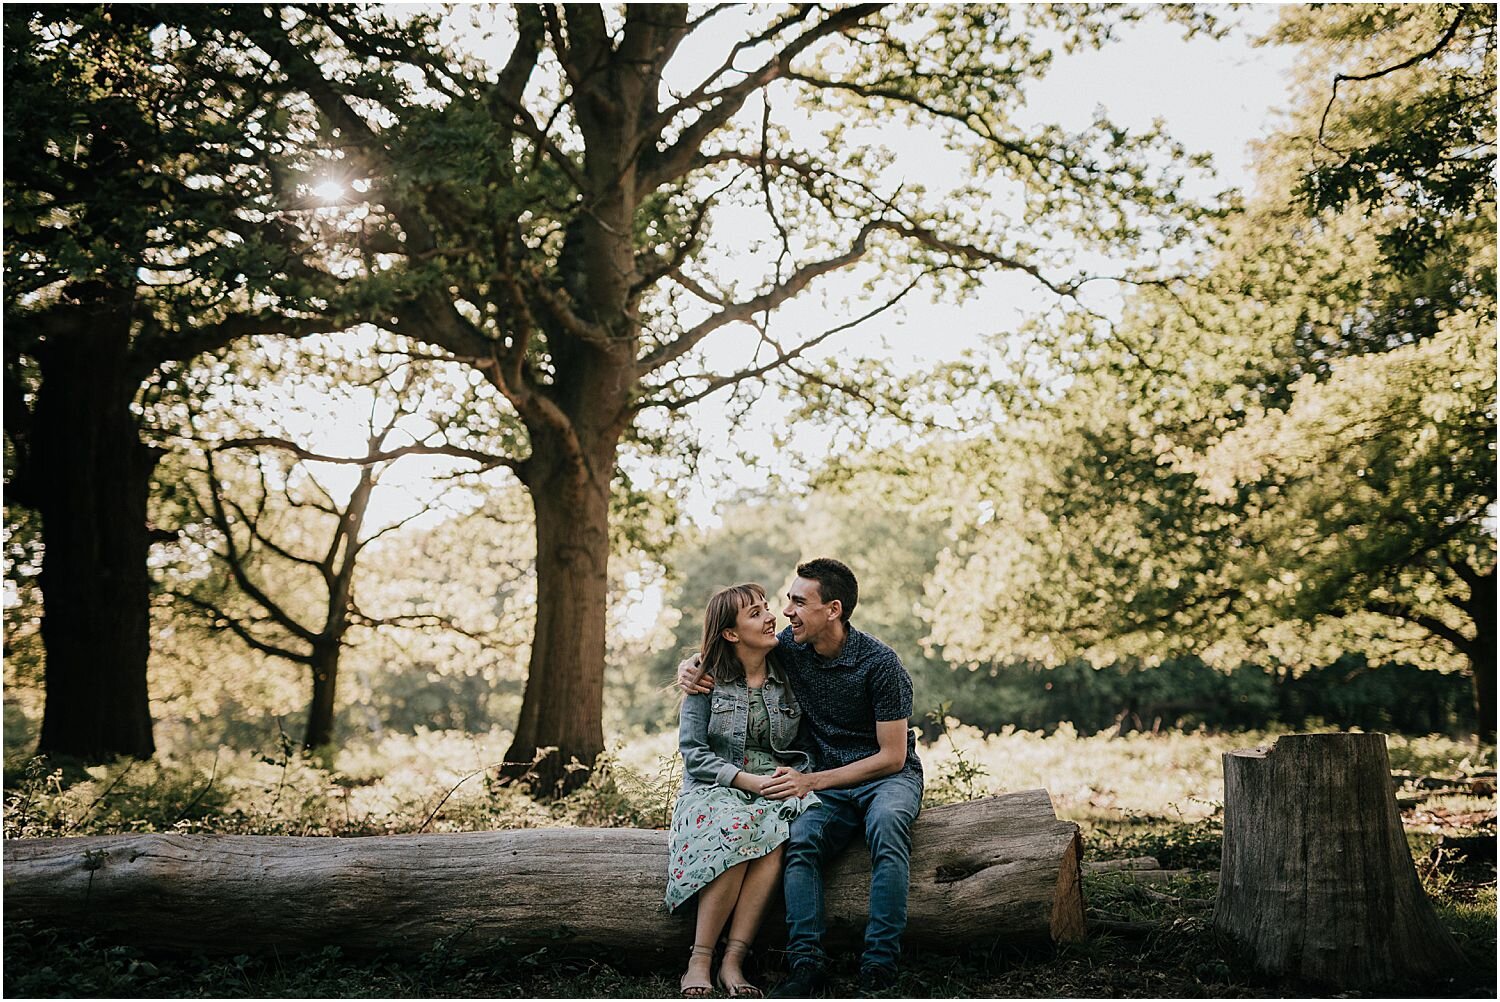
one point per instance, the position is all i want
(324, 668)
(92, 477)
(993, 870)
(1481, 610)
(1317, 880)
(339, 568)
(563, 708)
(1483, 675)
(1289, 704)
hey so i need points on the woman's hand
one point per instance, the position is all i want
(787, 783)
(751, 783)
(691, 678)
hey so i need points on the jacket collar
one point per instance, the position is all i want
(773, 673)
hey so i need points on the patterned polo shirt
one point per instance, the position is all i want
(844, 696)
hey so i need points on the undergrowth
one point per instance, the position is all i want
(1140, 795)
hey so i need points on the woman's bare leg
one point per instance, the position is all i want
(762, 877)
(715, 902)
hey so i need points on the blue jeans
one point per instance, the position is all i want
(884, 809)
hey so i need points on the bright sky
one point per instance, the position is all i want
(1214, 96)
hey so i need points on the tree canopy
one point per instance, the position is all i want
(1292, 455)
(572, 227)
(154, 210)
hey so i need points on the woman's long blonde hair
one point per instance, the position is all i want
(722, 614)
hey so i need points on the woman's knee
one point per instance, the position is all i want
(770, 861)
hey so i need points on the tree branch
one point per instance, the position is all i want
(1433, 625)
(1339, 78)
(1467, 574)
(800, 278)
(222, 620)
(253, 524)
(652, 267)
(658, 167)
(390, 528)
(236, 566)
(484, 459)
(510, 87)
(782, 357)
(412, 622)
(567, 318)
(768, 300)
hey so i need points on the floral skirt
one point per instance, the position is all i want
(716, 827)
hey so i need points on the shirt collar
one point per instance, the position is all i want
(853, 640)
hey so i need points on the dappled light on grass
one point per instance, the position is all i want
(1098, 777)
(446, 781)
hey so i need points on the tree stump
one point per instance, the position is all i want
(999, 869)
(1317, 880)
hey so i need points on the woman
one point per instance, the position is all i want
(726, 837)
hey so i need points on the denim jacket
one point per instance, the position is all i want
(712, 726)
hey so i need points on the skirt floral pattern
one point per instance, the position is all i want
(716, 827)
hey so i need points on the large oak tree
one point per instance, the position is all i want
(577, 218)
(151, 214)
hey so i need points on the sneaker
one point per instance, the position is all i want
(876, 982)
(806, 981)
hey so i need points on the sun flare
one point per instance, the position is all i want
(328, 192)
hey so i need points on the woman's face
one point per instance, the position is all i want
(755, 626)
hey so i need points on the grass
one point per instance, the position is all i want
(1158, 795)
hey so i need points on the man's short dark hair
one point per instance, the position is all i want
(835, 582)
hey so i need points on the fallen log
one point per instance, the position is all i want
(1124, 927)
(1116, 865)
(1160, 876)
(1003, 868)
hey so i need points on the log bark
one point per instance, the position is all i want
(998, 869)
(1316, 880)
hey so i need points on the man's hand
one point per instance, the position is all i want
(690, 677)
(786, 783)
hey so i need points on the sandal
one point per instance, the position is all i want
(697, 990)
(738, 951)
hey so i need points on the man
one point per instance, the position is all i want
(856, 700)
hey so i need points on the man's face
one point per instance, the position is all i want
(810, 616)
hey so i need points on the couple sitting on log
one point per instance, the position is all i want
(792, 745)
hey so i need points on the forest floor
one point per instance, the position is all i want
(1138, 795)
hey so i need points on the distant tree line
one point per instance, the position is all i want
(1185, 693)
